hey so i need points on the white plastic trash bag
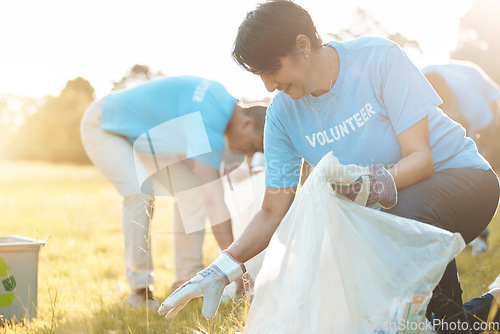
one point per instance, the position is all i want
(337, 267)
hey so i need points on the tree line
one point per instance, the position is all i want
(48, 128)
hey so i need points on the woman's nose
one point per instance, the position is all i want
(270, 83)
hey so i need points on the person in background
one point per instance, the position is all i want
(200, 116)
(369, 104)
(470, 97)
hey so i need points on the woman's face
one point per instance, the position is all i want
(292, 78)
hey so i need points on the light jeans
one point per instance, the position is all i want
(113, 155)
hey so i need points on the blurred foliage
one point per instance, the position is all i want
(478, 37)
(363, 24)
(13, 112)
(479, 43)
(50, 129)
(137, 74)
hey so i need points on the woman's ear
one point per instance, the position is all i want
(303, 45)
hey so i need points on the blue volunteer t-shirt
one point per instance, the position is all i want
(378, 94)
(178, 115)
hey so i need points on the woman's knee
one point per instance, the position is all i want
(411, 207)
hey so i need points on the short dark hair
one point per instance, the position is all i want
(257, 112)
(269, 32)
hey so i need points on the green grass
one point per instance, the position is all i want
(82, 286)
(81, 282)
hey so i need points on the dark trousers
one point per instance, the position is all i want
(460, 200)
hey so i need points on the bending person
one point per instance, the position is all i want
(365, 101)
(112, 125)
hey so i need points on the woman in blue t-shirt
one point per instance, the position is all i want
(366, 102)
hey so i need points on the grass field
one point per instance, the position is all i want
(82, 285)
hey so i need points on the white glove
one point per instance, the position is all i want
(209, 283)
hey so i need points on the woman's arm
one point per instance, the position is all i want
(257, 234)
(417, 163)
(211, 282)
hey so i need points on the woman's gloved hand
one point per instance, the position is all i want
(209, 283)
(382, 188)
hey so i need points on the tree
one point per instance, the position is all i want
(137, 74)
(52, 132)
(479, 43)
(13, 112)
(478, 37)
(363, 24)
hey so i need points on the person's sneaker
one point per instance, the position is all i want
(479, 246)
(143, 298)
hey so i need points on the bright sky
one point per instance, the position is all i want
(46, 43)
